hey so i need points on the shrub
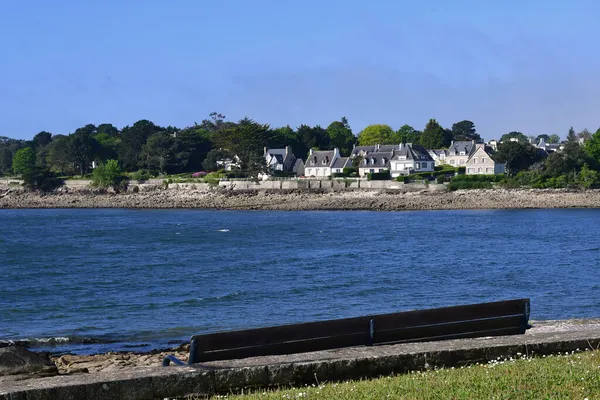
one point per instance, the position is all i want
(478, 178)
(109, 175)
(41, 179)
(379, 176)
(200, 174)
(468, 185)
(339, 175)
(461, 170)
(136, 189)
(350, 171)
(140, 175)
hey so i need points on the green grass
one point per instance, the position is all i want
(571, 376)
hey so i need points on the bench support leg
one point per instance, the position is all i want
(172, 359)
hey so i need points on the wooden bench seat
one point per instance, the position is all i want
(476, 320)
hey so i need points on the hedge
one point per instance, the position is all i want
(379, 176)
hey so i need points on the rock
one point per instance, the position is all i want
(15, 360)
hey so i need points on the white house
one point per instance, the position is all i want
(410, 158)
(319, 163)
(375, 162)
(482, 161)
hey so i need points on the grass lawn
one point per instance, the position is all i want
(569, 376)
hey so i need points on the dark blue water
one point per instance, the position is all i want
(96, 280)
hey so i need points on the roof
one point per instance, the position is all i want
(341, 162)
(436, 152)
(276, 152)
(413, 152)
(320, 159)
(460, 146)
(297, 165)
(377, 159)
(487, 149)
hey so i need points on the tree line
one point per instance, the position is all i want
(170, 150)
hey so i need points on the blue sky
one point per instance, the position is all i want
(506, 65)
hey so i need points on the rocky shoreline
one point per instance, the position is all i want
(376, 200)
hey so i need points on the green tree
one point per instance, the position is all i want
(465, 131)
(23, 161)
(108, 130)
(247, 140)
(41, 139)
(571, 136)
(407, 134)
(6, 159)
(108, 175)
(376, 134)
(592, 146)
(517, 156)
(514, 134)
(82, 149)
(313, 137)
(585, 135)
(341, 136)
(588, 178)
(554, 138)
(57, 156)
(192, 146)
(286, 136)
(159, 154)
(433, 135)
(133, 138)
(210, 162)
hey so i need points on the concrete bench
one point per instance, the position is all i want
(509, 317)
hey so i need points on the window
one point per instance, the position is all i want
(462, 162)
(451, 162)
(474, 160)
(417, 165)
(462, 153)
(471, 170)
(365, 161)
(483, 160)
(480, 170)
(314, 160)
(372, 170)
(489, 170)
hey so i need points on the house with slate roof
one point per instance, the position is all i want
(410, 158)
(364, 150)
(375, 162)
(482, 161)
(282, 160)
(459, 152)
(319, 163)
(341, 163)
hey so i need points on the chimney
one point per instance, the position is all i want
(310, 152)
(288, 150)
(265, 152)
(336, 153)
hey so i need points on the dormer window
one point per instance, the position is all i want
(373, 161)
(383, 161)
(365, 161)
(462, 153)
(314, 160)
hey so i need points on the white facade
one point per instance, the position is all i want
(319, 163)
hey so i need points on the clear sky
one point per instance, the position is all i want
(527, 65)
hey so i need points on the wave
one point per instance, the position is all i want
(584, 250)
(200, 300)
(52, 341)
(223, 230)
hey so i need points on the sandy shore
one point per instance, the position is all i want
(305, 200)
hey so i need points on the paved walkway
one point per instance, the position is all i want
(139, 381)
